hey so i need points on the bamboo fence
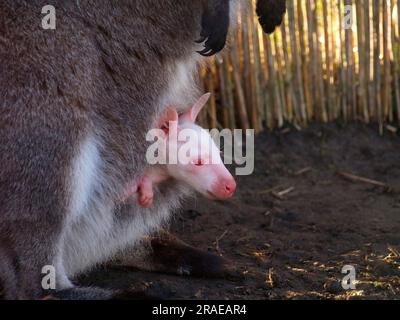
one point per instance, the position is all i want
(331, 60)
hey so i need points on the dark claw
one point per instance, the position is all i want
(201, 40)
(215, 22)
(215, 25)
(270, 13)
(206, 52)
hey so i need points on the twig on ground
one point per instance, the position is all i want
(217, 240)
(280, 195)
(303, 171)
(246, 238)
(266, 191)
(392, 129)
(355, 178)
(270, 278)
(394, 251)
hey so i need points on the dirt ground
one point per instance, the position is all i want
(296, 222)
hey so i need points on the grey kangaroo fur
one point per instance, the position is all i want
(75, 105)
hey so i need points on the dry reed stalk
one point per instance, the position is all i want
(297, 64)
(223, 93)
(377, 64)
(212, 110)
(312, 66)
(387, 110)
(291, 99)
(272, 83)
(280, 113)
(258, 97)
(328, 60)
(320, 77)
(396, 60)
(202, 118)
(351, 95)
(362, 87)
(241, 101)
(309, 69)
(304, 56)
(398, 53)
(247, 73)
(343, 79)
(367, 30)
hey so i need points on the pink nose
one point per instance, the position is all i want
(230, 187)
(225, 188)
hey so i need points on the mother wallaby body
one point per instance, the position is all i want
(75, 106)
(76, 103)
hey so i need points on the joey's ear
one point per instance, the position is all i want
(169, 115)
(193, 112)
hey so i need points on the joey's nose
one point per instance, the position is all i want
(230, 187)
(224, 189)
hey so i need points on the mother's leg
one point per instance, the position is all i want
(165, 253)
(32, 211)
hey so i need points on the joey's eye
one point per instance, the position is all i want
(198, 162)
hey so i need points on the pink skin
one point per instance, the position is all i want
(204, 172)
(145, 192)
(144, 187)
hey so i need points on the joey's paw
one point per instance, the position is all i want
(146, 201)
(215, 26)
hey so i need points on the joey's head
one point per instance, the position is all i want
(197, 158)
